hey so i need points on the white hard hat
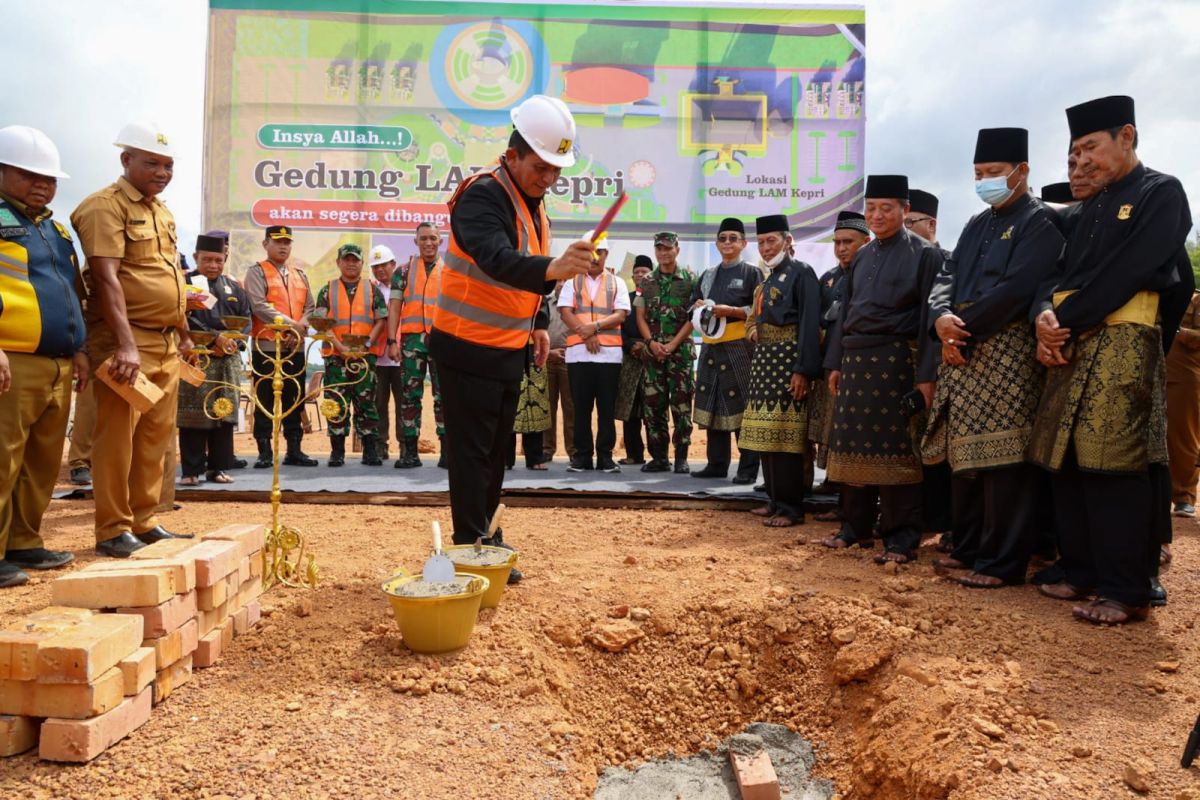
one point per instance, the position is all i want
(30, 149)
(145, 136)
(547, 125)
(381, 254)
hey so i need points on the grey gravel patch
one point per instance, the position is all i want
(708, 775)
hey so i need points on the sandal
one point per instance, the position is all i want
(782, 521)
(949, 563)
(540, 466)
(977, 580)
(895, 556)
(834, 542)
(218, 476)
(829, 516)
(1110, 612)
(189, 480)
(1164, 556)
(1064, 591)
(762, 511)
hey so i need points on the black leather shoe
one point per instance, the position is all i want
(122, 546)
(682, 468)
(710, 472)
(762, 487)
(39, 558)
(158, 533)
(657, 465)
(81, 476)
(442, 461)
(497, 540)
(11, 575)
(514, 576)
(744, 480)
(238, 463)
(335, 460)
(299, 458)
(1158, 593)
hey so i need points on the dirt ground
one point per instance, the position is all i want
(908, 686)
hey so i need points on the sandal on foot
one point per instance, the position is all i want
(1064, 591)
(218, 477)
(540, 466)
(895, 556)
(828, 516)
(1164, 555)
(783, 521)
(949, 563)
(977, 580)
(189, 480)
(834, 542)
(1110, 612)
(762, 511)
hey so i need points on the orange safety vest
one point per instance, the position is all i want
(289, 299)
(420, 296)
(353, 317)
(589, 309)
(477, 308)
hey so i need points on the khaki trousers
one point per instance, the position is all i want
(33, 424)
(1183, 438)
(129, 447)
(83, 427)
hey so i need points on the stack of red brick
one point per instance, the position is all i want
(121, 636)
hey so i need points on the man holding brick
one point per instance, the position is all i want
(41, 347)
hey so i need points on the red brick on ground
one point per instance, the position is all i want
(138, 670)
(755, 775)
(250, 538)
(215, 559)
(182, 568)
(171, 678)
(69, 700)
(161, 619)
(19, 641)
(17, 734)
(212, 645)
(88, 588)
(83, 740)
(83, 652)
(208, 620)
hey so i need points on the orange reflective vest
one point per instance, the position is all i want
(477, 308)
(289, 299)
(351, 317)
(593, 309)
(420, 296)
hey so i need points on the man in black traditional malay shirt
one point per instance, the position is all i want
(922, 215)
(989, 381)
(1101, 426)
(785, 326)
(725, 292)
(872, 357)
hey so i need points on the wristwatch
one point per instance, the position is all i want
(389, 341)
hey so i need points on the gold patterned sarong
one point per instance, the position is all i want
(774, 422)
(193, 400)
(983, 412)
(1109, 402)
(533, 409)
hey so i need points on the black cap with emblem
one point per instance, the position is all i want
(279, 232)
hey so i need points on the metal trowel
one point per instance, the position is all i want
(438, 569)
(491, 531)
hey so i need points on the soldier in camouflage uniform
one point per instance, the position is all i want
(352, 313)
(664, 321)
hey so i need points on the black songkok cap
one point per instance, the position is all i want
(884, 187)
(210, 244)
(1057, 193)
(1103, 114)
(772, 223)
(642, 261)
(732, 224)
(851, 220)
(1010, 145)
(921, 202)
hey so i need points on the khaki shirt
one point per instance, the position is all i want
(1183, 364)
(120, 222)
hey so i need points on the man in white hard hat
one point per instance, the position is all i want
(388, 376)
(41, 347)
(497, 270)
(135, 317)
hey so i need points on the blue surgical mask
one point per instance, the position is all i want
(995, 191)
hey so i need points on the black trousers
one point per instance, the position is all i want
(594, 386)
(479, 426)
(635, 450)
(294, 365)
(202, 450)
(389, 389)
(784, 475)
(1045, 534)
(936, 494)
(993, 524)
(1107, 532)
(900, 509)
(720, 454)
(531, 443)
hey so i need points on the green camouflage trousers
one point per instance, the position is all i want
(360, 395)
(668, 389)
(415, 360)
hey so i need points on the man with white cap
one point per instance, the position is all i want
(388, 378)
(497, 270)
(41, 347)
(135, 315)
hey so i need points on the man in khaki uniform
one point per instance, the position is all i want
(134, 315)
(1183, 411)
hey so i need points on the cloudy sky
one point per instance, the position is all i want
(939, 70)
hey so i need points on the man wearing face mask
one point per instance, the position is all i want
(725, 292)
(883, 317)
(989, 381)
(786, 330)
(1100, 426)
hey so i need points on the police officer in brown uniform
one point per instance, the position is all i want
(135, 315)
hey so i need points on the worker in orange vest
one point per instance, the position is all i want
(496, 271)
(276, 289)
(357, 308)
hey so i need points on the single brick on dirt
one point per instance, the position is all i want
(83, 740)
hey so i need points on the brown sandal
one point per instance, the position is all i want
(189, 480)
(894, 556)
(1164, 556)
(949, 563)
(975, 580)
(1064, 591)
(1092, 612)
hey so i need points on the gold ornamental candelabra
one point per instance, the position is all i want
(286, 558)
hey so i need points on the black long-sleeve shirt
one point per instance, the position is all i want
(886, 294)
(483, 224)
(232, 300)
(790, 295)
(630, 335)
(1001, 259)
(1125, 239)
(833, 286)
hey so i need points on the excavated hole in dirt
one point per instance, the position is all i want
(695, 673)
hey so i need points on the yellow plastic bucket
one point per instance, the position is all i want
(496, 573)
(436, 624)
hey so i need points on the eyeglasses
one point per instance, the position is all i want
(733, 238)
(911, 221)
